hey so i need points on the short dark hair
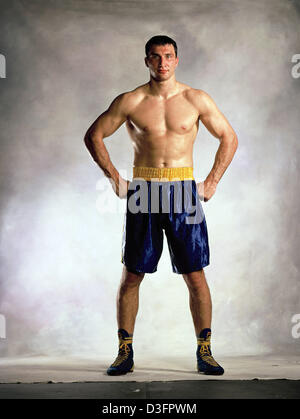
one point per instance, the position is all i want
(160, 40)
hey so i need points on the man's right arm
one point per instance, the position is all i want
(104, 126)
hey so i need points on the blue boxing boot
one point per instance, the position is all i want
(205, 361)
(124, 361)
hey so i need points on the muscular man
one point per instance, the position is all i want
(162, 118)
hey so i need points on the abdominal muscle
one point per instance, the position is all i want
(169, 150)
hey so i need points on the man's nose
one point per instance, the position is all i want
(162, 60)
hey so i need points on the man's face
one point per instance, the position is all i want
(161, 61)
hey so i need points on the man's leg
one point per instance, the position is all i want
(127, 308)
(128, 299)
(200, 300)
(201, 310)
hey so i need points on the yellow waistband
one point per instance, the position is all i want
(163, 173)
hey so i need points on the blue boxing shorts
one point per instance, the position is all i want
(164, 199)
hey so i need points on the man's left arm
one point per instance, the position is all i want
(219, 127)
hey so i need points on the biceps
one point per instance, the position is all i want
(216, 123)
(110, 120)
(105, 125)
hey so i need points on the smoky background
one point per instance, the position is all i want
(61, 251)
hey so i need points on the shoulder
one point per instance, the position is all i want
(199, 98)
(127, 101)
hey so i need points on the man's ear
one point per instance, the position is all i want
(146, 62)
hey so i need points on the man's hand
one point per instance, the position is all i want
(120, 188)
(206, 189)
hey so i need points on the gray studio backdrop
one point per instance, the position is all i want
(61, 224)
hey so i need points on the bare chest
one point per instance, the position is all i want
(156, 117)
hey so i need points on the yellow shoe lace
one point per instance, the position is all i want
(124, 351)
(205, 352)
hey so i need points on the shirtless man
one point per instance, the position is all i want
(162, 118)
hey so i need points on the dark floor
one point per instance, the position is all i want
(204, 389)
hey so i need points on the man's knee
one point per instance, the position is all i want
(195, 280)
(131, 278)
(132, 271)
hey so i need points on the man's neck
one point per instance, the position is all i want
(164, 89)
